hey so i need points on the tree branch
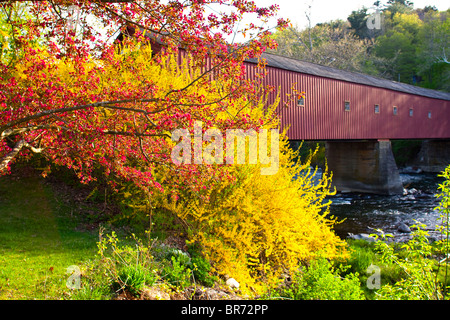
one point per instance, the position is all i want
(443, 58)
(11, 132)
(135, 134)
(105, 104)
(10, 155)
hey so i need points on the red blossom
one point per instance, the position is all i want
(87, 122)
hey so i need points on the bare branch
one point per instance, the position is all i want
(105, 104)
(443, 58)
(10, 155)
(12, 132)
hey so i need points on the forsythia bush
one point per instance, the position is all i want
(254, 228)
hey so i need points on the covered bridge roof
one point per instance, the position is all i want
(300, 66)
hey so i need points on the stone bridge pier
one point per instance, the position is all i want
(434, 156)
(366, 166)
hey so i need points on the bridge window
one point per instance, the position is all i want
(395, 110)
(301, 102)
(377, 108)
(411, 112)
(347, 105)
(429, 114)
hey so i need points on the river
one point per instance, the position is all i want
(362, 213)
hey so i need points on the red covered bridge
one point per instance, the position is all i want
(358, 115)
(341, 105)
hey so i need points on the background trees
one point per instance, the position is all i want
(399, 44)
(411, 46)
(434, 50)
(331, 44)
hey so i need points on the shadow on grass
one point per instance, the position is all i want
(39, 240)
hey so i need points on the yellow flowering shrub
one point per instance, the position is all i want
(257, 227)
(251, 227)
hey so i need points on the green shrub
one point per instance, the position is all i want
(418, 280)
(97, 291)
(133, 279)
(420, 260)
(321, 281)
(177, 273)
(444, 229)
(201, 267)
(124, 266)
(201, 270)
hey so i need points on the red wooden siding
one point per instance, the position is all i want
(324, 117)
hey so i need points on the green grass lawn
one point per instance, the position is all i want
(39, 239)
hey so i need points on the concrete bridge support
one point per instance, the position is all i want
(363, 166)
(434, 156)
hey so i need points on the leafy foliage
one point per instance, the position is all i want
(321, 281)
(132, 279)
(420, 281)
(202, 271)
(83, 102)
(419, 259)
(331, 44)
(254, 227)
(411, 45)
(121, 267)
(444, 228)
(177, 273)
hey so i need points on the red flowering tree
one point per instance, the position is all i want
(100, 85)
(71, 91)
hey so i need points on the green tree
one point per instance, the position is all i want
(399, 44)
(434, 50)
(331, 44)
(398, 6)
(358, 22)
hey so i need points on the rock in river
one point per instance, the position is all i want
(402, 227)
(362, 236)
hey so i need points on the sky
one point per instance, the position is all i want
(321, 11)
(326, 10)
